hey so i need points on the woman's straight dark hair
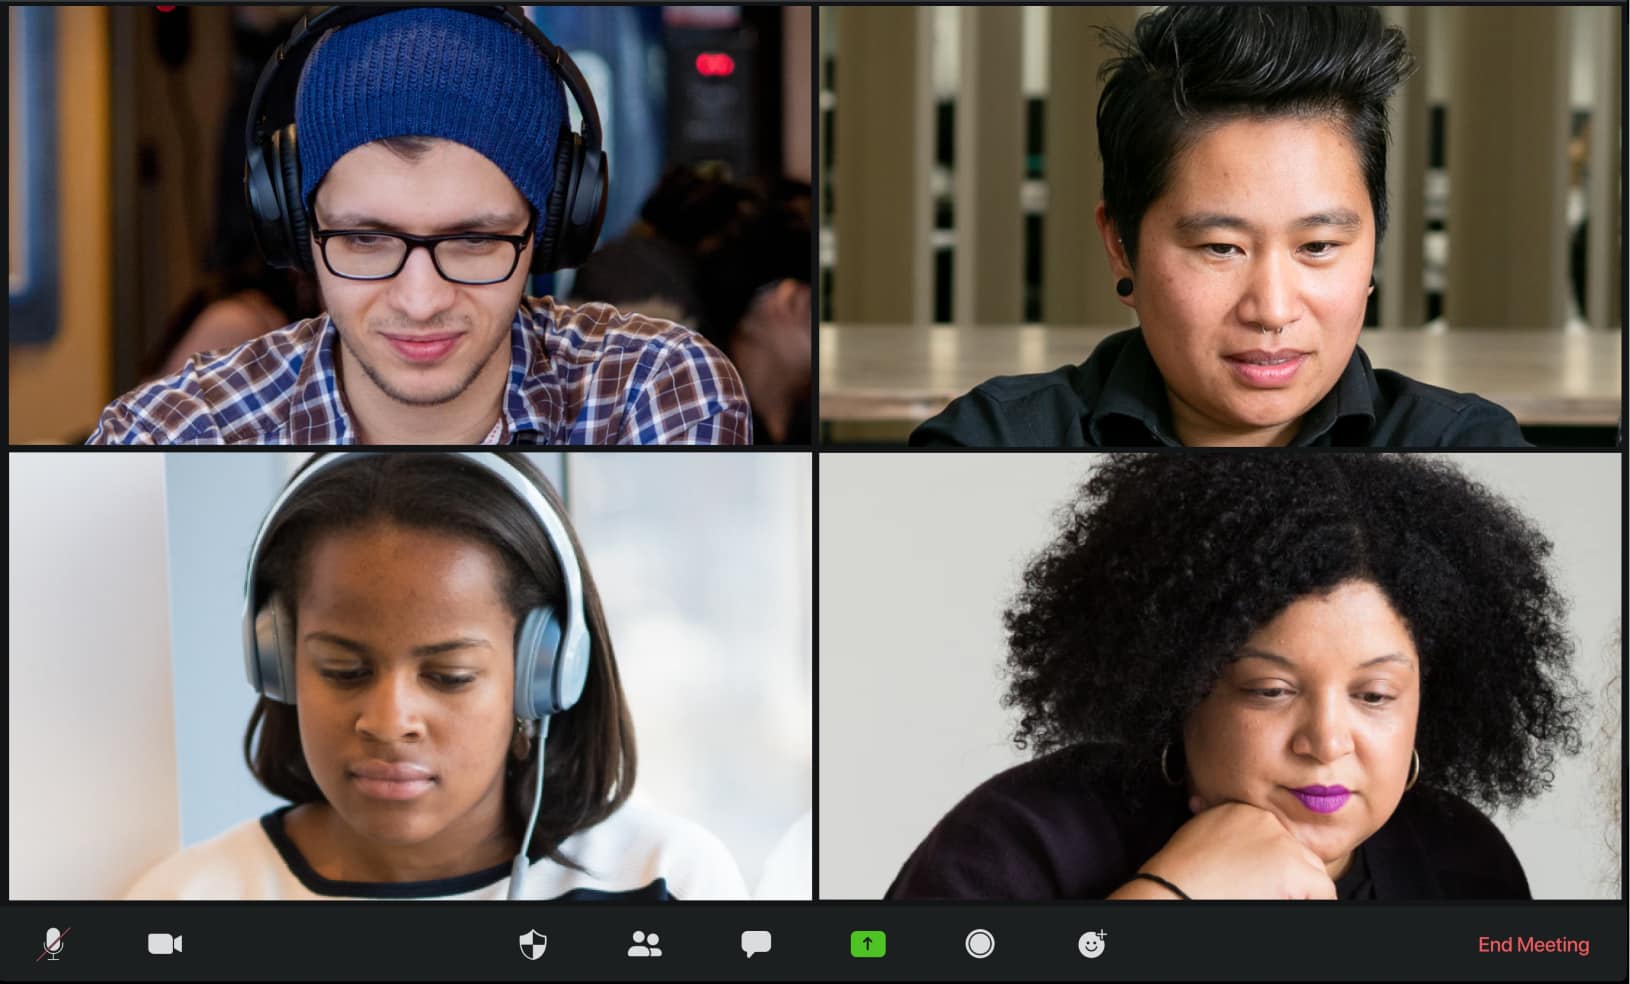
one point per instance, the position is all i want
(1186, 69)
(591, 756)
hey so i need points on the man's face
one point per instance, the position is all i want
(418, 339)
(1325, 695)
(1252, 276)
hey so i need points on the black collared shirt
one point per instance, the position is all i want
(1117, 399)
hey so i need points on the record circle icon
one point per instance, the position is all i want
(980, 944)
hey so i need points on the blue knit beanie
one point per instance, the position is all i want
(432, 72)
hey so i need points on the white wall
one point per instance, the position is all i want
(703, 563)
(1575, 500)
(919, 554)
(93, 772)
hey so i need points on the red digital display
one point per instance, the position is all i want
(715, 64)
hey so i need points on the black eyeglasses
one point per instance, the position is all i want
(473, 259)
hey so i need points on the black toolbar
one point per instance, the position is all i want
(406, 941)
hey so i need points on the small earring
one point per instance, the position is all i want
(1123, 286)
(1164, 774)
(520, 744)
(1414, 770)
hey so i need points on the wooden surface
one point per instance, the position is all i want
(908, 373)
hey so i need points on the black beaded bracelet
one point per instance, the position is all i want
(1163, 883)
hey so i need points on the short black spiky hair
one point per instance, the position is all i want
(1165, 564)
(1187, 68)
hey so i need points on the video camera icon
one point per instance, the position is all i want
(163, 944)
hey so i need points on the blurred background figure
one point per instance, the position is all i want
(730, 259)
(240, 297)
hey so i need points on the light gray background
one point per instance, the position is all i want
(919, 554)
(91, 717)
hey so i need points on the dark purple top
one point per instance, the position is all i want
(1046, 830)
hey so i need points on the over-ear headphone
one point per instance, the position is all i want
(551, 649)
(271, 178)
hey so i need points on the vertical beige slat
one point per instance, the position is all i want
(797, 79)
(1507, 155)
(880, 189)
(1604, 279)
(1077, 286)
(1402, 260)
(988, 273)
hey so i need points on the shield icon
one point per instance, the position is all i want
(533, 943)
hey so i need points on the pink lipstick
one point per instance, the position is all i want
(1322, 799)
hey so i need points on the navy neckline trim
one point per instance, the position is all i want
(272, 823)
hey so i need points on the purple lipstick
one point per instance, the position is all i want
(1322, 799)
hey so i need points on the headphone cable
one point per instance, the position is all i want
(517, 872)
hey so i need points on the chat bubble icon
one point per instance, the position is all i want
(755, 941)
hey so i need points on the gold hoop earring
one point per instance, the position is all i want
(1164, 774)
(1414, 769)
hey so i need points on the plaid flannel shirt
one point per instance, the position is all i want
(585, 375)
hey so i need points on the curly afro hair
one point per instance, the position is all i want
(1166, 564)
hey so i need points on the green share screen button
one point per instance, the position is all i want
(868, 943)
